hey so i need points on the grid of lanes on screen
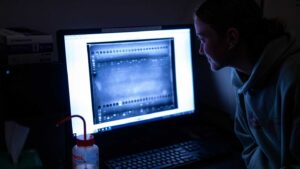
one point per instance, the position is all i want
(122, 78)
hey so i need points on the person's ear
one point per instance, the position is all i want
(233, 36)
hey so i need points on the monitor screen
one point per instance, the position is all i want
(124, 77)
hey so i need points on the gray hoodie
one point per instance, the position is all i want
(267, 119)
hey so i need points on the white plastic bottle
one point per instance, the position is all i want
(85, 154)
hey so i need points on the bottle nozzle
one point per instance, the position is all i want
(68, 118)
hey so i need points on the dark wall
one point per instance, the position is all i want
(52, 15)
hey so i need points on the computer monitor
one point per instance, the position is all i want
(121, 77)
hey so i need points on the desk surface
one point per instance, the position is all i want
(232, 161)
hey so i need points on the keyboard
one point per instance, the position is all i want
(171, 156)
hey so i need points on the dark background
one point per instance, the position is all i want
(35, 95)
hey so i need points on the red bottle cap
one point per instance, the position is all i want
(84, 143)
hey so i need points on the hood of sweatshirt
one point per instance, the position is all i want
(272, 57)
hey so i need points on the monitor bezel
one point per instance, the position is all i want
(180, 120)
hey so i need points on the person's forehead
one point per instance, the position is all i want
(202, 28)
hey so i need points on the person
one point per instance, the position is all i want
(265, 59)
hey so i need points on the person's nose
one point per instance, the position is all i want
(201, 51)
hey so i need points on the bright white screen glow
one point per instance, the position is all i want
(79, 76)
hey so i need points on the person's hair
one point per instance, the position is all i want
(246, 16)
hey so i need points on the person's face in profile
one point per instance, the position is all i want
(214, 47)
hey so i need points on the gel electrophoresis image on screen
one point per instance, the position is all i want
(131, 78)
(127, 77)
